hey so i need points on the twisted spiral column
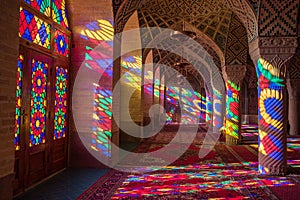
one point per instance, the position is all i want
(233, 75)
(272, 119)
(272, 55)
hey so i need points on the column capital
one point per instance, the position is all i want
(234, 73)
(276, 50)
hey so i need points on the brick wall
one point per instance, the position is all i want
(9, 45)
(81, 13)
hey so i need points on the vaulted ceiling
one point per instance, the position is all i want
(219, 29)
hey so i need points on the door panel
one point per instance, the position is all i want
(36, 165)
(20, 125)
(41, 119)
(41, 97)
(36, 135)
(58, 152)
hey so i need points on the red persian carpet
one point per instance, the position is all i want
(227, 172)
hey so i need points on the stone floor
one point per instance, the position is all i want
(68, 184)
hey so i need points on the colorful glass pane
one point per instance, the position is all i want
(61, 43)
(41, 5)
(18, 102)
(59, 13)
(60, 107)
(34, 29)
(38, 102)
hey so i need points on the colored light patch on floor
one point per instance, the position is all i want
(249, 130)
(294, 146)
(294, 163)
(293, 152)
(214, 166)
(293, 140)
(249, 126)
(255, 146)
(248, 134)
(209, 179)
(185, 180)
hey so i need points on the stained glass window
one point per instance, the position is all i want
(41, 5)
(60, 109)
(34, 29)
(18, 101)
(59, 13)
(61, 43)
(38, 102)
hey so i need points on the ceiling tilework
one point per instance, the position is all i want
(278, 18)
(237, 45)
(245, 9)
(213, 18)
(255, 5)
(116, 5)
(123, 14)
(246, 14)
(213, 21)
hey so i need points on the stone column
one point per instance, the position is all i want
(162, 88)
(116, 103)
(294, 107)
(233, 76)
(203, 102)
(217, 119)
(218, 91)
(209, 108)
(272, 56)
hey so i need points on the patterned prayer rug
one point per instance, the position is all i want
(227, 172)
(166, 137)
(104, 187)
(211, 181)
(190, 156)
(233, 154)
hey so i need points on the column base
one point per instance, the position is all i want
(273, 170)
(232, 140)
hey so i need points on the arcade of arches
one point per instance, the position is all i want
(228, 68)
